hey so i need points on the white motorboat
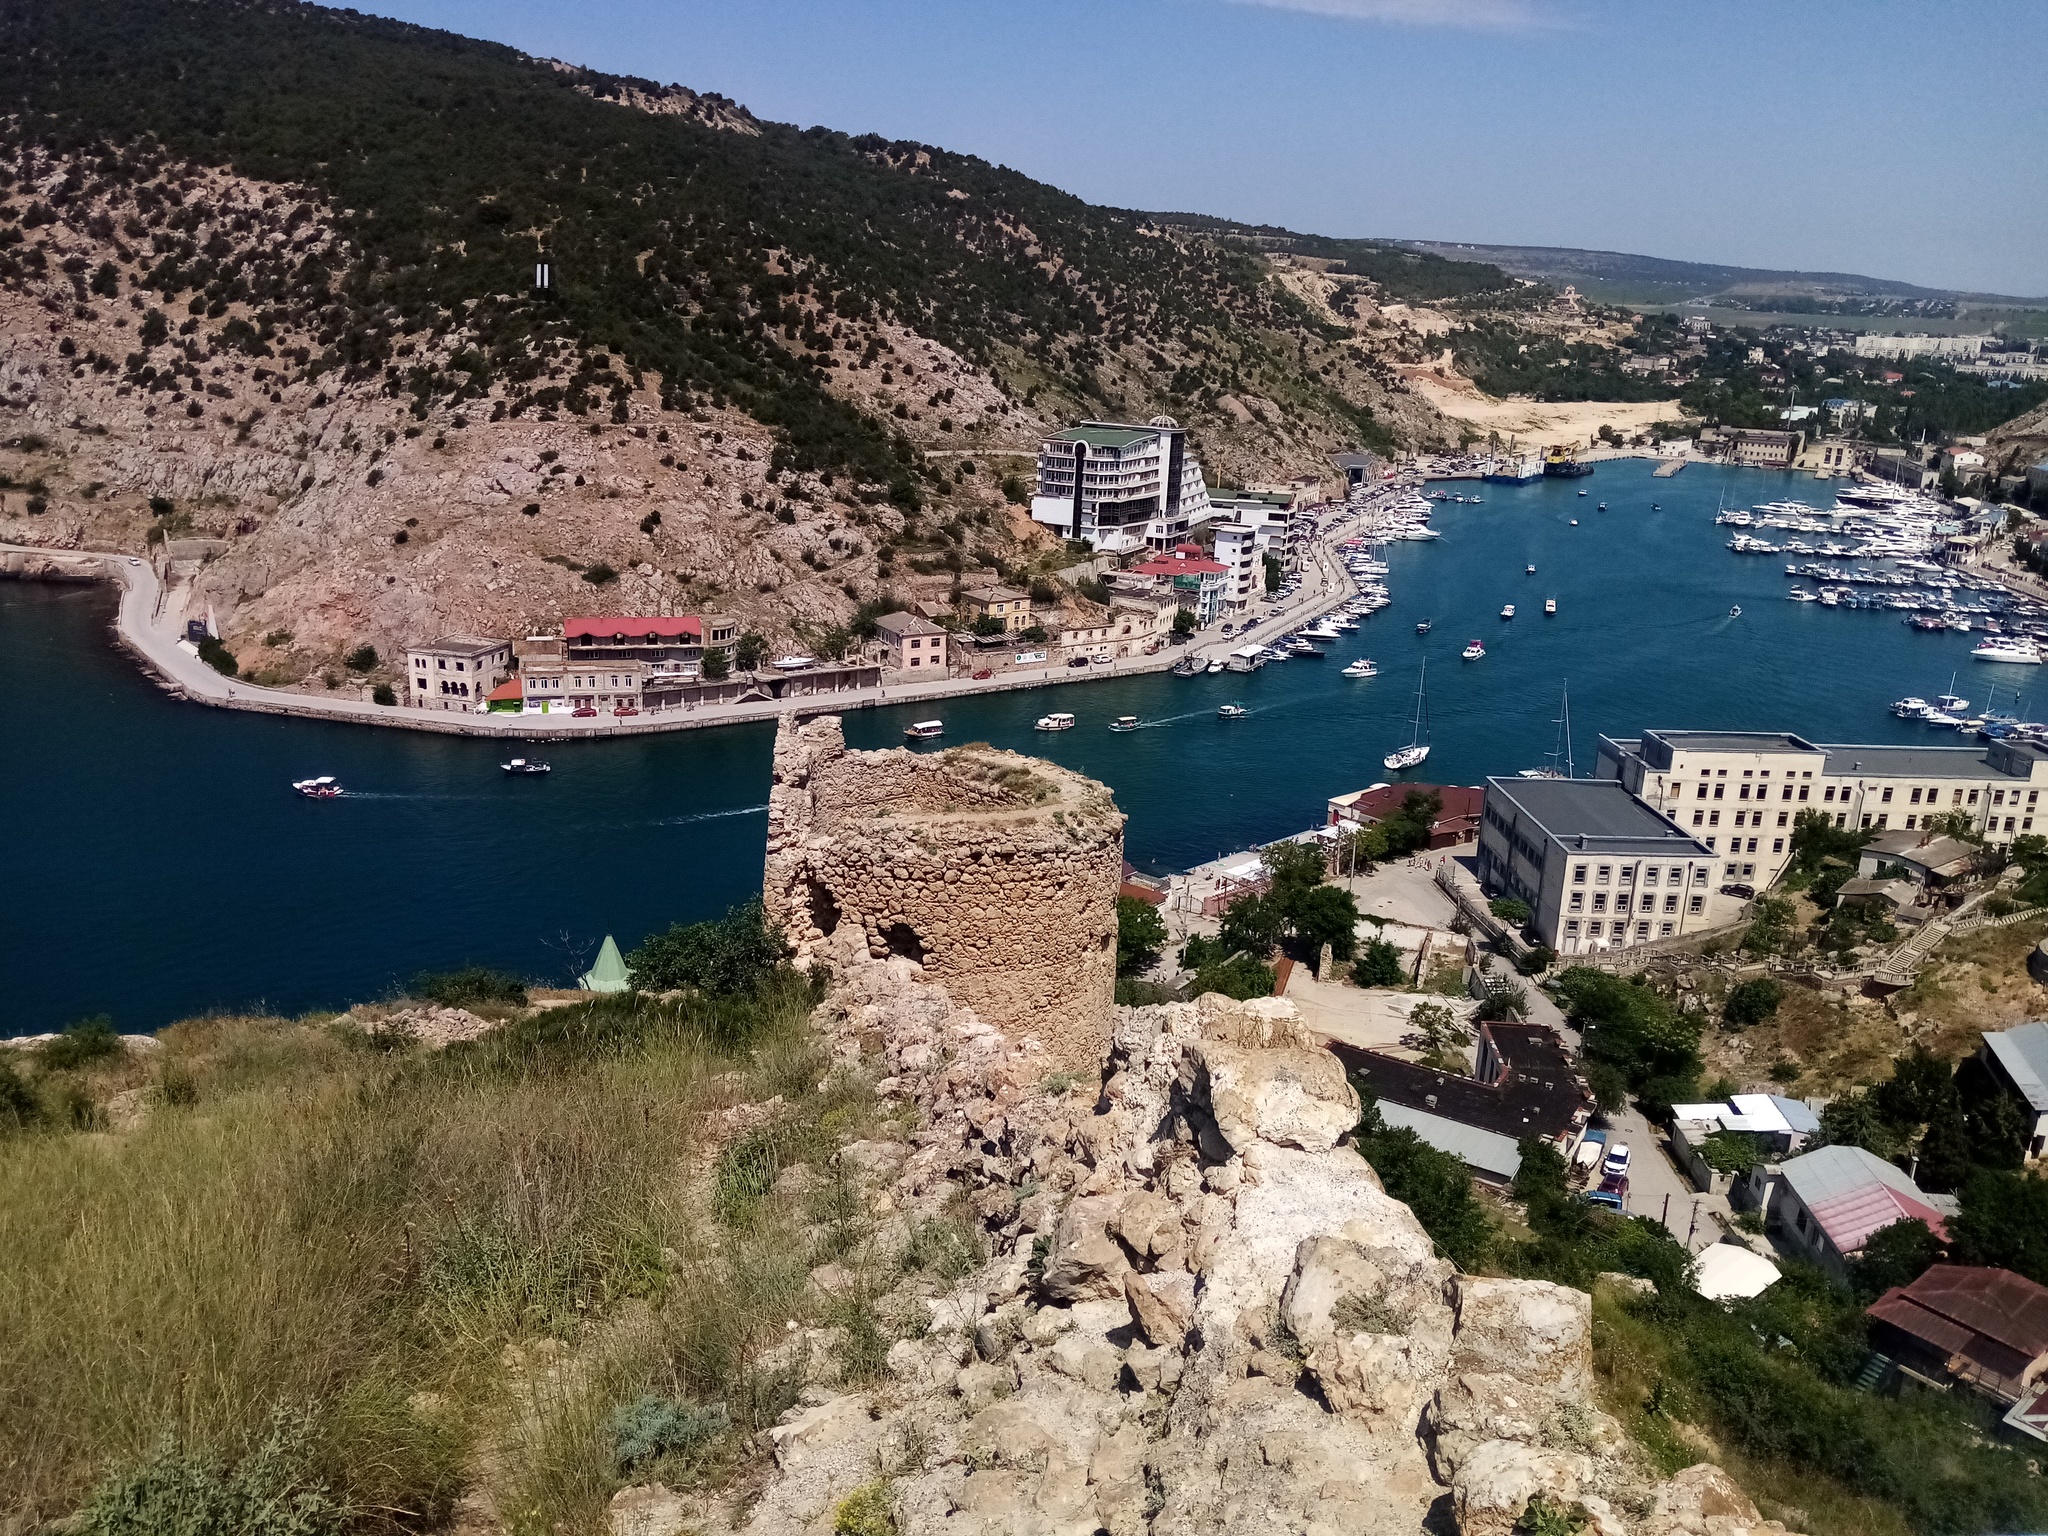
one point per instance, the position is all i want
(1320, 631)
(525, 765)
(1124, 723)
(1801, 595)
(1735, 612)
(1055, 722)
(326, 787)
(1232, 712)
(1417, 751)
(1575, 522)
(1530, 571)
(1363, 667)
(1507, 610)
(1912, 707)
(1216, 664)
(794, 663)
(925, 730)
(1473, 651)
(2007, 649)
(1549, 606)
(1954, 703)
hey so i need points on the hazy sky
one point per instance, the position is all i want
(1902, 140)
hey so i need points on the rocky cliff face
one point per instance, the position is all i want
(1201, 1314)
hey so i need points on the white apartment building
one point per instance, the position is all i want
(455, 672)
(1598, 868)
(1121, 487)
(1241, 551)
(1921, 346)
(1739, 792)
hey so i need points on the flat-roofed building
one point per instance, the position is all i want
(455, 672)
(911, 644)
(1121, 487)
(1740, 792)
(1597, 867)
(1764, 450)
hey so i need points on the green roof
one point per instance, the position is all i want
(609, 974)
(1102, 437)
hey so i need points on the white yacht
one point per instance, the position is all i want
(1912, 707)
(1232, 712)
(1055, 722)
(1473, 651)
(1549, 606)
(1363, 667)
(1801, 595)
(326, 787)
(1507, 610)
(2008, 649)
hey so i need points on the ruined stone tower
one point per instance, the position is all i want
(997, 873)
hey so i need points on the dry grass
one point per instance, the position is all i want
(461, 1264)
(1974, 982)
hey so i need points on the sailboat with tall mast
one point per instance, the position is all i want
(1417, 750)
(1562, 752)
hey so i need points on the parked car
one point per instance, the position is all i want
(585, 713)
(1612, 1193)
(1615, 1165)
(1077, 661)
(984, 675)
(1746, 892)
(625, 709)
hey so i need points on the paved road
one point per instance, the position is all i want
(143, 594)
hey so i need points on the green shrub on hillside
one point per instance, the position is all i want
(725, 957)
(271, 1490)
(79, 1044)
(470, 986)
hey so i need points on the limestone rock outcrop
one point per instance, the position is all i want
(1201, 1313)
(996, 874)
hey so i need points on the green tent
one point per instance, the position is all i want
(609, 974)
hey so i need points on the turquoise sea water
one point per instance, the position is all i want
(159, 865)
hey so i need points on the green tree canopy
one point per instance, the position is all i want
(728, 956)
(1140, 934)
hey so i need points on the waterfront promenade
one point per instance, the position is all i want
(141, 629)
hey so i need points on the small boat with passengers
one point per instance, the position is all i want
(1054, 722)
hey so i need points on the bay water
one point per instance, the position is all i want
(157, 864)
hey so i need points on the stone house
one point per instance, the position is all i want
(912, 645)
(1006, 605)
(455, 672)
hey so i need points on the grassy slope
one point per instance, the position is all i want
(461, 1263)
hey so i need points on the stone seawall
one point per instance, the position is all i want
(996, 873)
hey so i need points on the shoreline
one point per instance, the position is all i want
(186, 678)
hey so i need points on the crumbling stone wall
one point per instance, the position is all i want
(995, 872)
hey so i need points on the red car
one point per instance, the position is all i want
(625, 709)
(586, 713)
(983, 675)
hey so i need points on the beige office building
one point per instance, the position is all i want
(1739, 792)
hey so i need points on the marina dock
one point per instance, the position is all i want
(1668, 468)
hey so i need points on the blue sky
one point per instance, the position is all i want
(1903, 140)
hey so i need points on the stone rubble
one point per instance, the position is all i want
(1201, 1312)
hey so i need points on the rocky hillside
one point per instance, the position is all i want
(267, 279)
(1201, 1313)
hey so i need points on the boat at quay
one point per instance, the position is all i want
(462, 872)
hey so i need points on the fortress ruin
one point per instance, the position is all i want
(996, 873)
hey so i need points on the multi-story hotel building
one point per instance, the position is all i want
(1597, 867)
(1120, 487)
